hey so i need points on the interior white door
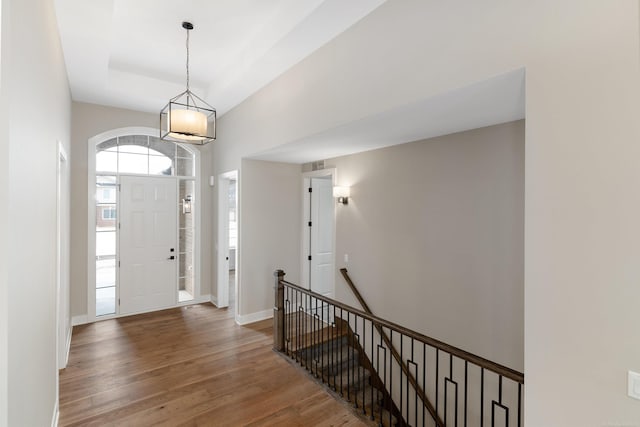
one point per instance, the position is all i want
(322, 235)
(148, 255)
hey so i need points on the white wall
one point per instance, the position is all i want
(581, 174)
(35, 90)
(4, 213)
(270, 210)
(89, 120)
(434, 231)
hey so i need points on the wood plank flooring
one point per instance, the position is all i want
(189, 366)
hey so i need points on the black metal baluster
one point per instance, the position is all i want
(322, 340)
(349, 350)
(437, 375)
(332, 370)
(390, 376)
(424, 379)
(456, 389)
(385, 375)
(401, 375)
(299, 320)
(519, 404)
(357, 366)
(466, 370)
(364, 346)
(481, 397)
(415, 394)
(377, 373)
(341, 350)
(325, 340)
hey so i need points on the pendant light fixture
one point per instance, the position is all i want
(187, 118)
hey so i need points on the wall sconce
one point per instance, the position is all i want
(186, 204)
(342, 194)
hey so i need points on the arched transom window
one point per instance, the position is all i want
(143, 155)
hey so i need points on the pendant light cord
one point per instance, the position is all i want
(187, 61)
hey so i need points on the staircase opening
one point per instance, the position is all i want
(389, 373)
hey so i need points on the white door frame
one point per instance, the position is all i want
(304, 260)
(63, 313)
(222, 265)
(91, 215)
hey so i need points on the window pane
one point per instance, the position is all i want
(182, 152)
(133, 144)
(186, 188)
(134, 149)
(105, 243)
(106, 193)
(184, 167)
(105, 180)
(105, 272)
(186, 264)
(106, 161)
(160, 165)
(159, 147)
(106, 145)
(105, 301)
(106, 216)
(133, 163)
(185, 243)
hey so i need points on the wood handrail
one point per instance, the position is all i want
(499, 369)
(421, 394)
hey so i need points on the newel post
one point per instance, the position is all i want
(278, 312)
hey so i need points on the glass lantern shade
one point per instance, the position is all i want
(183, 120)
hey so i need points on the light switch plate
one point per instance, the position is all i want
(634, 385)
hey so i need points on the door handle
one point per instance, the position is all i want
(172, 257)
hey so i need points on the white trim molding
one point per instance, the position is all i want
(56, 415)
(254, 317)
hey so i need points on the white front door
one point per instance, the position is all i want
(148, 249)
(321, 242)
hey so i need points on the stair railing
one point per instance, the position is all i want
(465, 389)
(405, 368)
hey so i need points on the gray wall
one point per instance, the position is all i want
(35, 107)
(434, 231)
(582, 101)
(89, 120)
(270, 211)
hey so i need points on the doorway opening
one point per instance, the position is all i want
(143, 219)
(228, 241)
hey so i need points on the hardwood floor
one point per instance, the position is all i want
(190, 366)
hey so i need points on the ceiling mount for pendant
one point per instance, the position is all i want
(187, 118)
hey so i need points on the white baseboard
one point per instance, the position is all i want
(253, 317)
(66, 354)
(67, 347)
(79, 320)
(214, 300)
(56, 415)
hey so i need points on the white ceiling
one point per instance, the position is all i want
(131, 53)
(497, 100)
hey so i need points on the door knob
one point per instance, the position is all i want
(172, 257)
(171, 250)
(227, 258)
